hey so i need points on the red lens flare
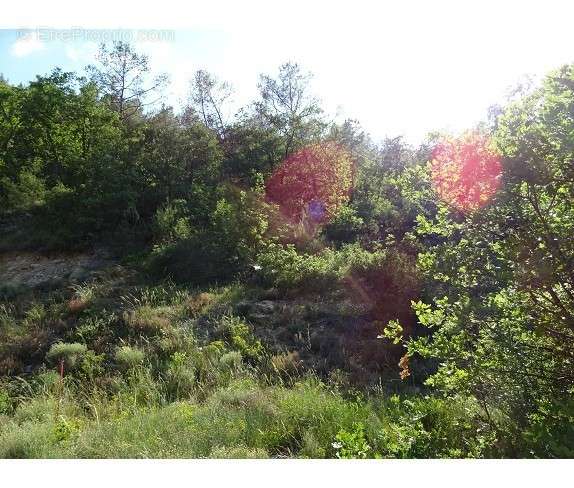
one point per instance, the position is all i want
(313, 183)
(466, 171)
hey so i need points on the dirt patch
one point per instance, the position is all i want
(36, 270)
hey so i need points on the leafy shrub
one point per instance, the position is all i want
(238, 224)
(64, 429)
(92, 365)
(430, 427)
(146, 320)
(197, 260)
(129, 357)
(240, 337)
(171, 223)
(70, 353)
(222, 248)
(284, 267)
(550, 433)
(345, 226)
(351, 444)
(231, 360)
(28, 191)
(93, 329)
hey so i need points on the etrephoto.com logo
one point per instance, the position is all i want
(79, 34)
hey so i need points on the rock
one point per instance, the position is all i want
(256, 310)
(270, 294)
(79, 274)
(243, 308)
(265, 307)
(260, 318)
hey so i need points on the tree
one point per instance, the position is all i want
(55, 128)
(466, 171)
(10, 113)
(207, 98)
(251, 150)
(391, 185)
(313, 183)
(501, 278)
(121, 77)
(178, 162)
(60, 153)
(286, 105)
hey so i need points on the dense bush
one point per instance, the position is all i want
(285, 267)
(68, 353)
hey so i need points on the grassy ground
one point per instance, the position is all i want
(229, 372)
(241, 419)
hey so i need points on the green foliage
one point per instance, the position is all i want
(252, 148)
(286, 105)
(65, 429)
(345, 226)
(92, 365)
(351, 445)
(223, 248)
(233, 359)
(285, 267)
(394, 331)
(5, 403)
(431, 427)
(241, 338)
(500, 278)
(70, 353)
(171, 223)
(550, 430)
(129, 357)
(27, 192)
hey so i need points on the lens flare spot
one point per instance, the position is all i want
(313, 183)
(316, 210)
(466, 171)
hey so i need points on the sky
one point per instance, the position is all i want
(400, 68)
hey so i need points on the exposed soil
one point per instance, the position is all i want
(37, 270)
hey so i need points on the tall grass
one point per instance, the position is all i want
(166, 372)
(241, 419)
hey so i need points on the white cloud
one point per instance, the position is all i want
(27, 45)
(82, 53)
